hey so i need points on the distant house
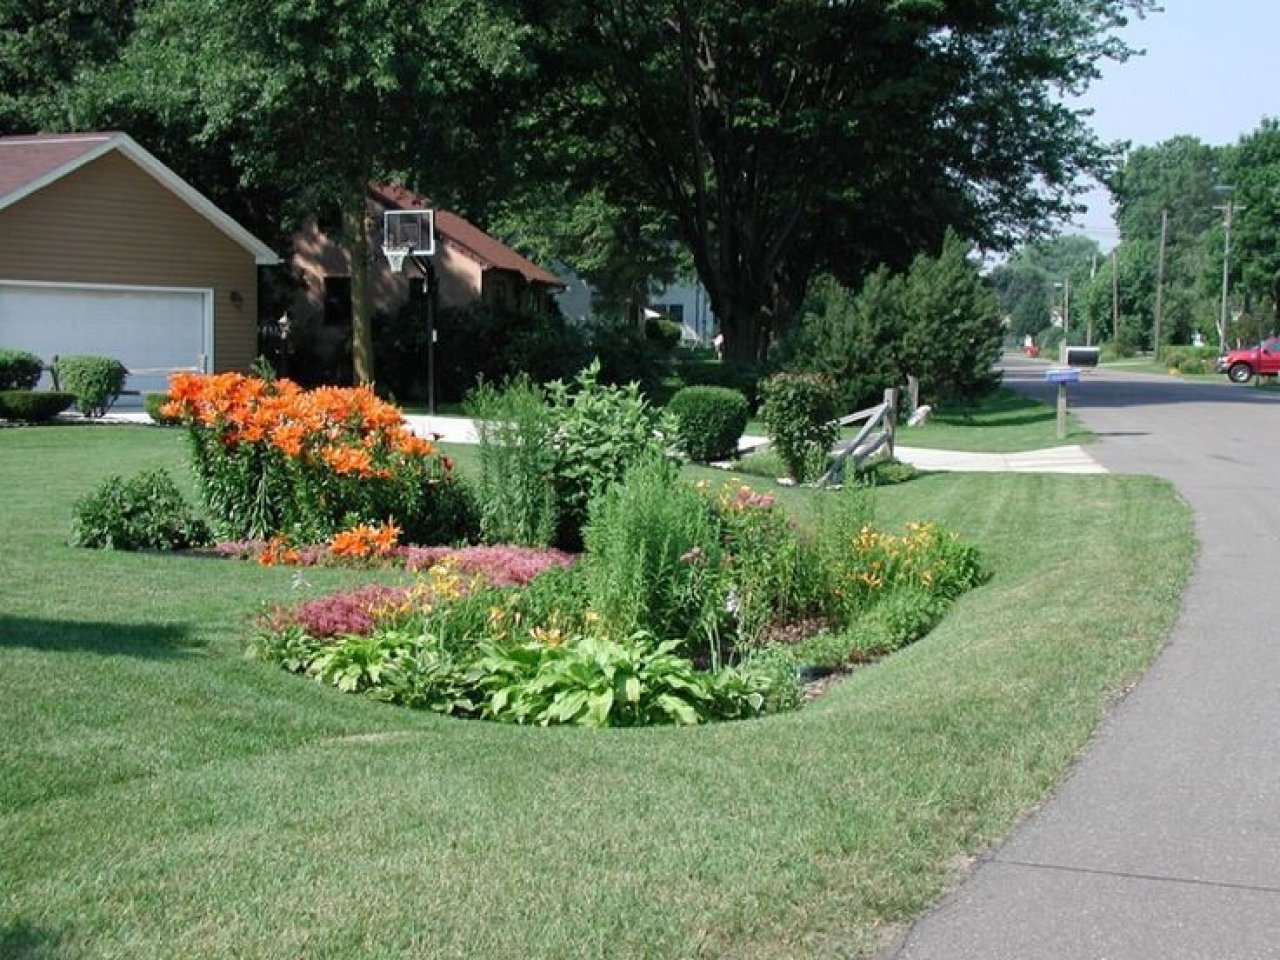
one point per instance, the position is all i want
(471, 267)
(684, 303)
(105, 250)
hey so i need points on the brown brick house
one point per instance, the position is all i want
(104, 249)
(471, 267)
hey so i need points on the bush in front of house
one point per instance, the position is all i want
(19, 370)
(96, 381)
(710, 422)
(33, 406)
(799, 411)
(145, 512)
(154, 402)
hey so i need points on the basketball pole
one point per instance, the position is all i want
(428, 271)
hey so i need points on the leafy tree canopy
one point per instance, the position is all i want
(781, 138)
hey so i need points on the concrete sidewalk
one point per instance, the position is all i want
(1072, 459)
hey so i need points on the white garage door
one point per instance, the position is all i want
(145, 329)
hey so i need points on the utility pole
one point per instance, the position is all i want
(1227, 213)
(1066, 314)
(1164, 238)
(1115, 294)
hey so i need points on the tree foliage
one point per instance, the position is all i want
(784, 138)
(315, 101)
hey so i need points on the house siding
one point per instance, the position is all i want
(110, 222)
(316, 256)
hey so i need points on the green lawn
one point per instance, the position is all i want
(160, 795)
(1003, 422)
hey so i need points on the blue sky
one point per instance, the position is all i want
(1209, 70)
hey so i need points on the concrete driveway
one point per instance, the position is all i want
(1165, 840)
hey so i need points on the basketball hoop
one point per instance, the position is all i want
(396, 257)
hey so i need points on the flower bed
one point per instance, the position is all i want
(671, 616)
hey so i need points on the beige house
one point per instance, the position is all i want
(105, 250)
(470, 266)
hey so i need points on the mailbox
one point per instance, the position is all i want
(1061, 375)
(1083, 356)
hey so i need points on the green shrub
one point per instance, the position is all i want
(33, 405)
(477, 343)
(600, 432)
(653, 558)
(799, 411)
(19, 370)
(146, 512)
(153, 402)
(709, 422)
(900, 618)
(714, 373)
(96, 382)
(1194, 365)
(595, 682)
(665, 333)
(1113, 350)
(885, 473)
(627, 356)
(516, 481)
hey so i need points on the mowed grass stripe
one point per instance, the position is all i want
(184, 796)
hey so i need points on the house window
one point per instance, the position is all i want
(337, 302)
(673, 311)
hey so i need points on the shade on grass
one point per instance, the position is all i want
(160, 795)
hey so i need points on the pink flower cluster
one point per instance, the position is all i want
(349, 612)
(359, 610)
(499, 566)
(504, 566)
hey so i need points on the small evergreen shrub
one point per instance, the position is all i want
(34, 406)
(19, 370)
(153, 403)
(146, 512)
(709, 422)
(96, 382)
(799, 411)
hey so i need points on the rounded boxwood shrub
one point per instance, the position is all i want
(799, 411)
(145, 512)
(33, 405)
(710, 421)
(19, 370)
(96, 381)
(153, 402)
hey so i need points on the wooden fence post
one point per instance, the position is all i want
(891, 415)
(913, 391)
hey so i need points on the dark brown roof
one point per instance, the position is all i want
(24, 161)
(489, 252)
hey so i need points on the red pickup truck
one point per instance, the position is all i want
(1241, 366)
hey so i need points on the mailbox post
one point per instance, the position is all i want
(1062, 376)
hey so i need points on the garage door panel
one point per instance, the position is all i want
(143, 329)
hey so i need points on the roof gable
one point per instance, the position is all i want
(486, 250)
(31, 163)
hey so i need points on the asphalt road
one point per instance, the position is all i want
(1164, 843)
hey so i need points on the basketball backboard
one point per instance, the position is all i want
(408, 233)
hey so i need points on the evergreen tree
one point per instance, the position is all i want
(953, 332)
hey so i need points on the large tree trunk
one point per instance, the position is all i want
(356, 219)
